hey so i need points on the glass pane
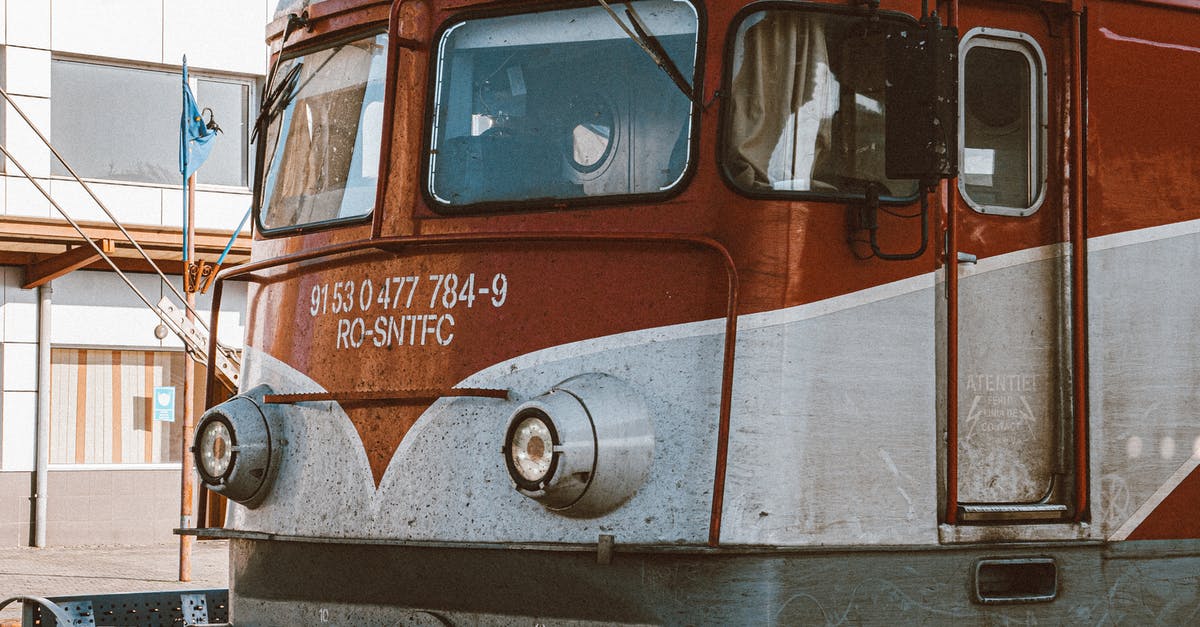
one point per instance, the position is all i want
(807, 105)
(998, 132)
(322, 149)
(561, 104)
(230, 103)
(115, 123)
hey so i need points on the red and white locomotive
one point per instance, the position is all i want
(685, 312)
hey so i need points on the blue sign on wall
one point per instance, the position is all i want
(164, 404)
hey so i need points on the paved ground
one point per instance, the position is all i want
(55, 571)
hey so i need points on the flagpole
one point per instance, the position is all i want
(189, 373)
(189, 383)
(195, 145)
(183, 155)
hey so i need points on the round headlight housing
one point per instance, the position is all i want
(583, 448)
(236, 455)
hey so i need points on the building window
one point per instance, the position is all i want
(102, 406)
(1002, 79)
(122, 124)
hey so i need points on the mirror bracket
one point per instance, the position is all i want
(868, 220)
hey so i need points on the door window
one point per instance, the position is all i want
(1002, 79)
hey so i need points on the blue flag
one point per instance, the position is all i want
(195, 140)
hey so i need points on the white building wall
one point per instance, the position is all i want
(219, 36)
(94, 309)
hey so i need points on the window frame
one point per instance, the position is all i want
(196, 76)
(735, 26)
(258, 175)
(1027, 46)
(492, 207)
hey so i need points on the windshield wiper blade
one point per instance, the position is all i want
(651, 46)
(278, 100)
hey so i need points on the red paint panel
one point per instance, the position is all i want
(1177, 517)
(400, 326)
(1143, 117)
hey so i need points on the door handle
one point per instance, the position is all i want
(967, 258)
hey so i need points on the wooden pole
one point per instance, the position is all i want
(189, 383)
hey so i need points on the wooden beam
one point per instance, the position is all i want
(44, 235)
(42, 272)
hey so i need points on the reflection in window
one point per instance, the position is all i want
(322, 149)
(1002, 163)
(560, 104)
(808, 105)
(230, 102)
(122, 124)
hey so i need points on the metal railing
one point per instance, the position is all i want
(190, 329)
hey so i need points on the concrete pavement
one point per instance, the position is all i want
(60, 571)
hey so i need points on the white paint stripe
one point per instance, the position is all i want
(714, 326)
(1156, 499)
(1142, 236)
(837, 303)
(1016, 258)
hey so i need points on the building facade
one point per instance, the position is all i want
(101, 80)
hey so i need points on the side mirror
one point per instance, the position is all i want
(921, 66)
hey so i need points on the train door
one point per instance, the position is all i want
(1010, 232)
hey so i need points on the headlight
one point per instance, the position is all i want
(215, 449)
(531, 449)
(236, 452)
(581, 449)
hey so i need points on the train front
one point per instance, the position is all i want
(659, 312)
(457, 396)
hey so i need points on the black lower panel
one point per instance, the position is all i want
(305, 583)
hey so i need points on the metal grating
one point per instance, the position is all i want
(143, 609)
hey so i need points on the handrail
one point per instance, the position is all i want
(87, 188)
(402, 242)
(60, 616)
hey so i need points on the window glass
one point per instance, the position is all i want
(562, 104)
(102, 406)
(322, 143)
(122, 124)
(1002, 161)
(807, 105)
(228, 164)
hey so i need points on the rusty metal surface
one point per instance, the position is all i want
(409, 396)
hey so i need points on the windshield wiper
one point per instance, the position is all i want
(651, 46)
(277, 100)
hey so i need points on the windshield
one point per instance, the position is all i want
(560, 105)
(322, 141)
(808, 106)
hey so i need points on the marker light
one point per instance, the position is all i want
(236, 453)
(581, 449)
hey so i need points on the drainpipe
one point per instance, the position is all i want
(41, 484)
